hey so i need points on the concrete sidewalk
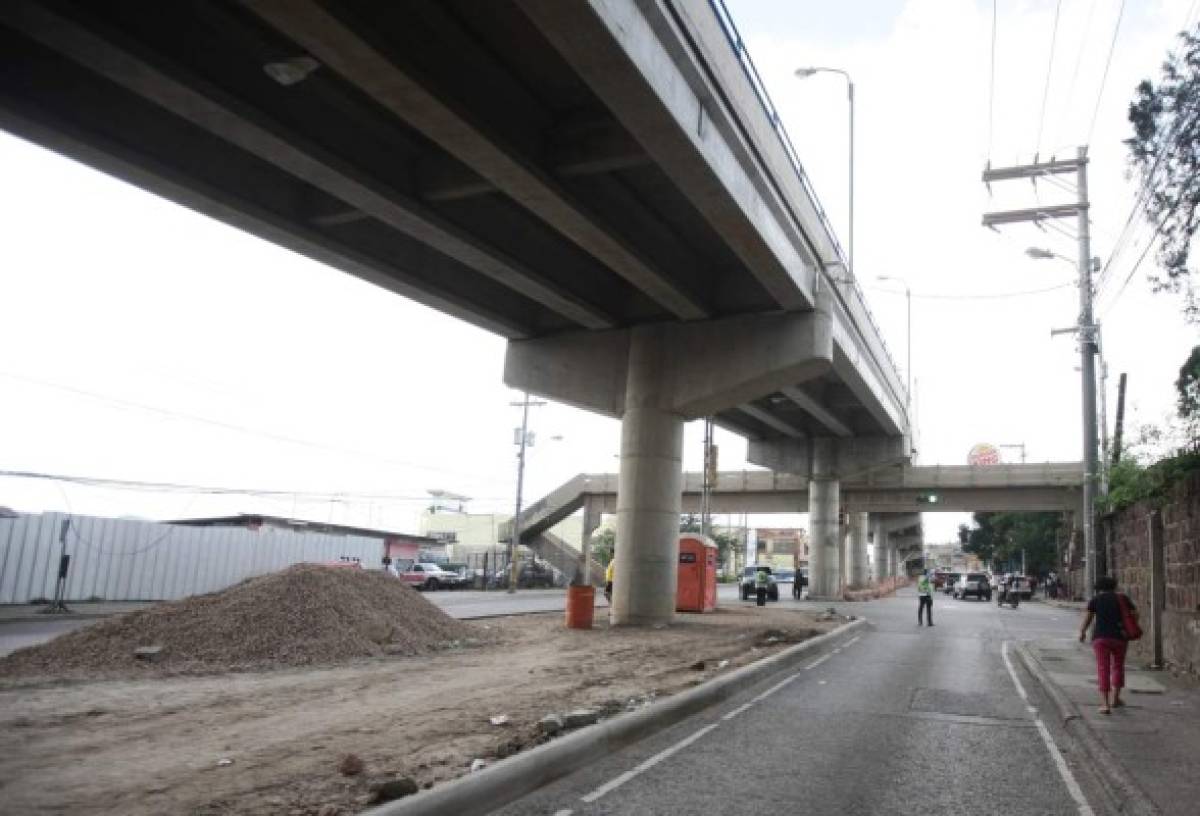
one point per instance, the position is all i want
(1154, 739)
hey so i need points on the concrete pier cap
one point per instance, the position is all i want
(654, 378)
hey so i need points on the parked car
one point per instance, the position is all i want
(951, 578)
(463, 571)
(974, 584)
(427, 576)
(785, 576)
(749, 583)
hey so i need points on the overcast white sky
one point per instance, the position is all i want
(139, 340)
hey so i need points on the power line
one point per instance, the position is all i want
(1147, 185)
(992, 86)
(1087, 31)
(1108, 308)
(981, 296)
(1183, 119)
(229, 426)
(1104, 78)
(1183, 195)
(1037, 146)
(177, 487)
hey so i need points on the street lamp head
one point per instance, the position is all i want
(1039, 253)
(805, 73)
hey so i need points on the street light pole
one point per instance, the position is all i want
(804, 73)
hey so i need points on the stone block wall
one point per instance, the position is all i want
(1130, 564)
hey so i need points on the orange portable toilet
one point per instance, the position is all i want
(697, 589)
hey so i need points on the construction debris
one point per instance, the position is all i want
(580, 717)
(351, 765)
(304, 615)
(394, 789)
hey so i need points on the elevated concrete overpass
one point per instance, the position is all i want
(602, 182)
(883, 505)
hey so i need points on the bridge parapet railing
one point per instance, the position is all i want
(849, 293)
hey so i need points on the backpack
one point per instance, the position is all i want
(1129, 624)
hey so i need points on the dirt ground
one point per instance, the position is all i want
(151, 746)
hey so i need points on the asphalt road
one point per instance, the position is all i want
(896, 720)
(463, 604)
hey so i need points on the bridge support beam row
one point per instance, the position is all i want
(824, 554)
(856, 552)
(881, 549)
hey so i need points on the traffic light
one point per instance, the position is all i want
(927, 498)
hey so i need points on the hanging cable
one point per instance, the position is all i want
(217, 423)
(1087, 31)
(981, 296)
(1104, 77)
(1037, 145)
(176, 487)
(992, 87)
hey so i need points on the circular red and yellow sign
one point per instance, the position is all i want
(984, 454)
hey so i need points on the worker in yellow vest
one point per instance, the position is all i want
(608, 578)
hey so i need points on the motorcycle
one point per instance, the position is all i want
(1006, 594)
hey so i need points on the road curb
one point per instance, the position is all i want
(1117, 782)
(509, 779)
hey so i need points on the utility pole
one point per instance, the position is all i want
(1120, 427)
(1016, 446)
(1085, 329)
(1104, 452)
(523, 438)
(709, 479)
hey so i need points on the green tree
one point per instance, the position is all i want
(1000, 538)
(1188, 389)
(604, 544)
(604, 540)
(1166, 127)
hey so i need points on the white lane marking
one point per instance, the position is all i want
(774, 688)
(1012, 672)
(817, 662)
(1064, 770)
(852, 641)
(618, 781)
(740, 709)
(563, 812)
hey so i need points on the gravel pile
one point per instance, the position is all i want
(304, 615)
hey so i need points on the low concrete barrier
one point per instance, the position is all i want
(511, 778)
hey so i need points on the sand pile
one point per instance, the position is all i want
(304, 615)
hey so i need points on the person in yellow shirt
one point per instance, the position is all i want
(608, 578)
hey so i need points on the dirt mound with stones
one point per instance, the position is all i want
(304, 615)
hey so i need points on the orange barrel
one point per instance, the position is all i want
(581, 606)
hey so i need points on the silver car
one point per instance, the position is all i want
(974, 584)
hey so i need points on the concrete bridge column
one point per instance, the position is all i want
(824, 567)
(856, 552)
(649, 490)
(593, 516)
(881, 549)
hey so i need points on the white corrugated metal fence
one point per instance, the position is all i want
(120, 560)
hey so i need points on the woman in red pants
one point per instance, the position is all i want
(1108, 640)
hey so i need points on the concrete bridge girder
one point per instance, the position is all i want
(702, 372)
(1054, 500)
